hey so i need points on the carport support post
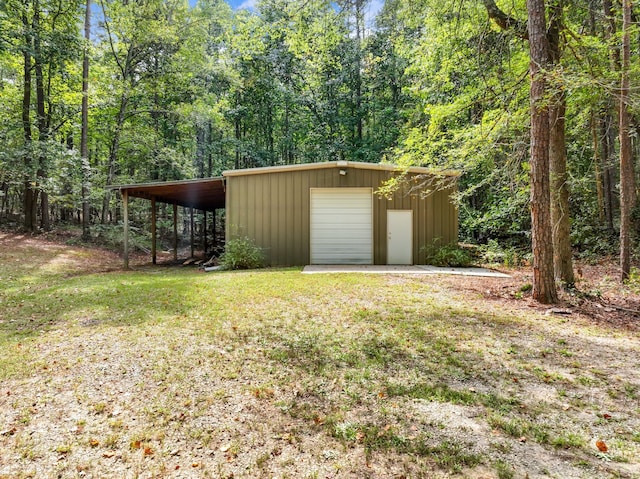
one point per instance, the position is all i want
(191, 228)
(125, 219)
(153, 230)
(175, 231)
(213, 229)
(204, 233)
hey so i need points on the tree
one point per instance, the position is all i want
(544, 288)
(44, 35)
(30, 192)
(84, 135)
(560, 223)
(178, 92)
(628, 195)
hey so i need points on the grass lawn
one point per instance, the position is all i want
(171, 372)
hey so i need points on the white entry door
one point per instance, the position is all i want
(399, 237)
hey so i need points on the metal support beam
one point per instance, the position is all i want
(213, 228)
(125, 219)
(204, 233)
(153, 231)
(191, 228)
(175, 231)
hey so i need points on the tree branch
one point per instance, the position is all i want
(506, 22)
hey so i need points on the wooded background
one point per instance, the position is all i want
(177, 92)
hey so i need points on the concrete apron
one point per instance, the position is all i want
(394, 269)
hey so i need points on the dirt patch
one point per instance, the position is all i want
(598, 296)
(28, 249)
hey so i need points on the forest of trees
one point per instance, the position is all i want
(535, 102)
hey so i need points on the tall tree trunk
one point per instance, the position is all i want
(238, 134)
(30, 202)
(84, 133)
(561, 228)
(610, 31)
(43, 123)
(113, 154)
(544, 287)
(4, 212)
(359, 16)
(607, 132)
(535, 30)
(288, 157)
(201, 148)
(594, 122)
(597, 162)
(210, 149)
(627, 174)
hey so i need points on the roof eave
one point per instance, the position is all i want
(340, 164)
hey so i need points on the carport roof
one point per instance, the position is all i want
(206, 194)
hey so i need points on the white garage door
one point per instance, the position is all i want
(341, 226)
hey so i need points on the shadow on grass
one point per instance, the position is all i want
(122, 299)
(356, 335)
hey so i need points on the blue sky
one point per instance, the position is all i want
(373, 8)
(234, 3)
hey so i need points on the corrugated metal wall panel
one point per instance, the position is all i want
(274, 210)
(341, 226)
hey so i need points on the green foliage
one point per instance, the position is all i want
(179, 92)
(496, 253)
(112, 237)
(241, 253)
(633, 282)
(451, 255)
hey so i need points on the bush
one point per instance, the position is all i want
(450, 255)
(241, 253)
(495, 253)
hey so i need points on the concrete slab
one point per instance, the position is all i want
(392, 269)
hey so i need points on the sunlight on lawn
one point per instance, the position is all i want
(398, 371)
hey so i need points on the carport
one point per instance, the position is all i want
(318, 213)
(207, 195)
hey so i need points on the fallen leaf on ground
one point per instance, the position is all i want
(602, 447)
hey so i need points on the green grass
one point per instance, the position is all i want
(504, 471)
(259, 364)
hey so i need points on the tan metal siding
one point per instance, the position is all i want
(273, 209)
